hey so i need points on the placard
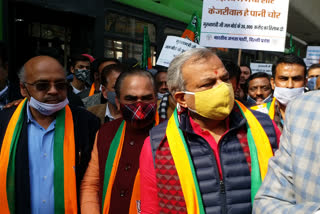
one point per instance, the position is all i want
(172, 47)
(313, 55)
(244, 24)
(261, 67)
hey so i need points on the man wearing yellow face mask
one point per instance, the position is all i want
(212, 154)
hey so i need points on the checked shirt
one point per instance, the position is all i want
(292, 184)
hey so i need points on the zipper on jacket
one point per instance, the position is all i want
(222, 184)
(222, 187)
(223, 195)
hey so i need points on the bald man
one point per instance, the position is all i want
(45, 144)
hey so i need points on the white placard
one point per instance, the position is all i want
(313, 52)
(310, 62)
(261, 67)
(313, 55)
(244, 24)
(172, 47)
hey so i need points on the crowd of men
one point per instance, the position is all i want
(196, 137)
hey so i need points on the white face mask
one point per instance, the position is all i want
(45, 108)
(285, 95)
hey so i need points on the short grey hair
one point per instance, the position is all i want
(21, 74)
(175, 80)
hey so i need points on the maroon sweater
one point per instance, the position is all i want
(128, 165)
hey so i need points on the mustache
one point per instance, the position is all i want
(51, 98)
(260, 97)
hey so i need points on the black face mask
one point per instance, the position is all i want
(82, 75)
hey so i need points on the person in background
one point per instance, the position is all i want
(199, 161)
(80, 68)
(161, 83)
(318, 83)
(314, 71)
(313, 74)
(112, 183)
(107, 111)
(234, 73)
(165, 102)
(94, 92)
(258, 88)
(43, 161)
(97, 67)
(9, 90)
(245, 74)
(288, 82)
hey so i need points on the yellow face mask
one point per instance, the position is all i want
(215, 103)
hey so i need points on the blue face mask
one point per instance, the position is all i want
(251, 101)
(45, 108)
(268, 99)
(112, 97)
(312, 83)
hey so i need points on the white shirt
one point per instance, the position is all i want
(108, 113)
(76, 91)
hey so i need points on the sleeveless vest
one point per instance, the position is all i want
(128, 164)
(232, 193)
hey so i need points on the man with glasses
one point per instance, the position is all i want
(45, 144)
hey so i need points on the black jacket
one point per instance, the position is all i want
(85, 128)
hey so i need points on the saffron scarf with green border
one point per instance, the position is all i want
(111, 168)
(65, 195)
(270, 106)
(260, 149)
(184, 165)
(260, 152)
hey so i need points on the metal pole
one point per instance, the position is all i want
(239, 57)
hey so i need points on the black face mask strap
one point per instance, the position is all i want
(26, 89)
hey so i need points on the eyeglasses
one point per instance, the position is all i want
(45, 86)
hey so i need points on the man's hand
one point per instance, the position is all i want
(13, 103)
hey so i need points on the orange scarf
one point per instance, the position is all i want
(65, 194)
(111, 168)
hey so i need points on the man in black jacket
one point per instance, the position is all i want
(51, 150)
